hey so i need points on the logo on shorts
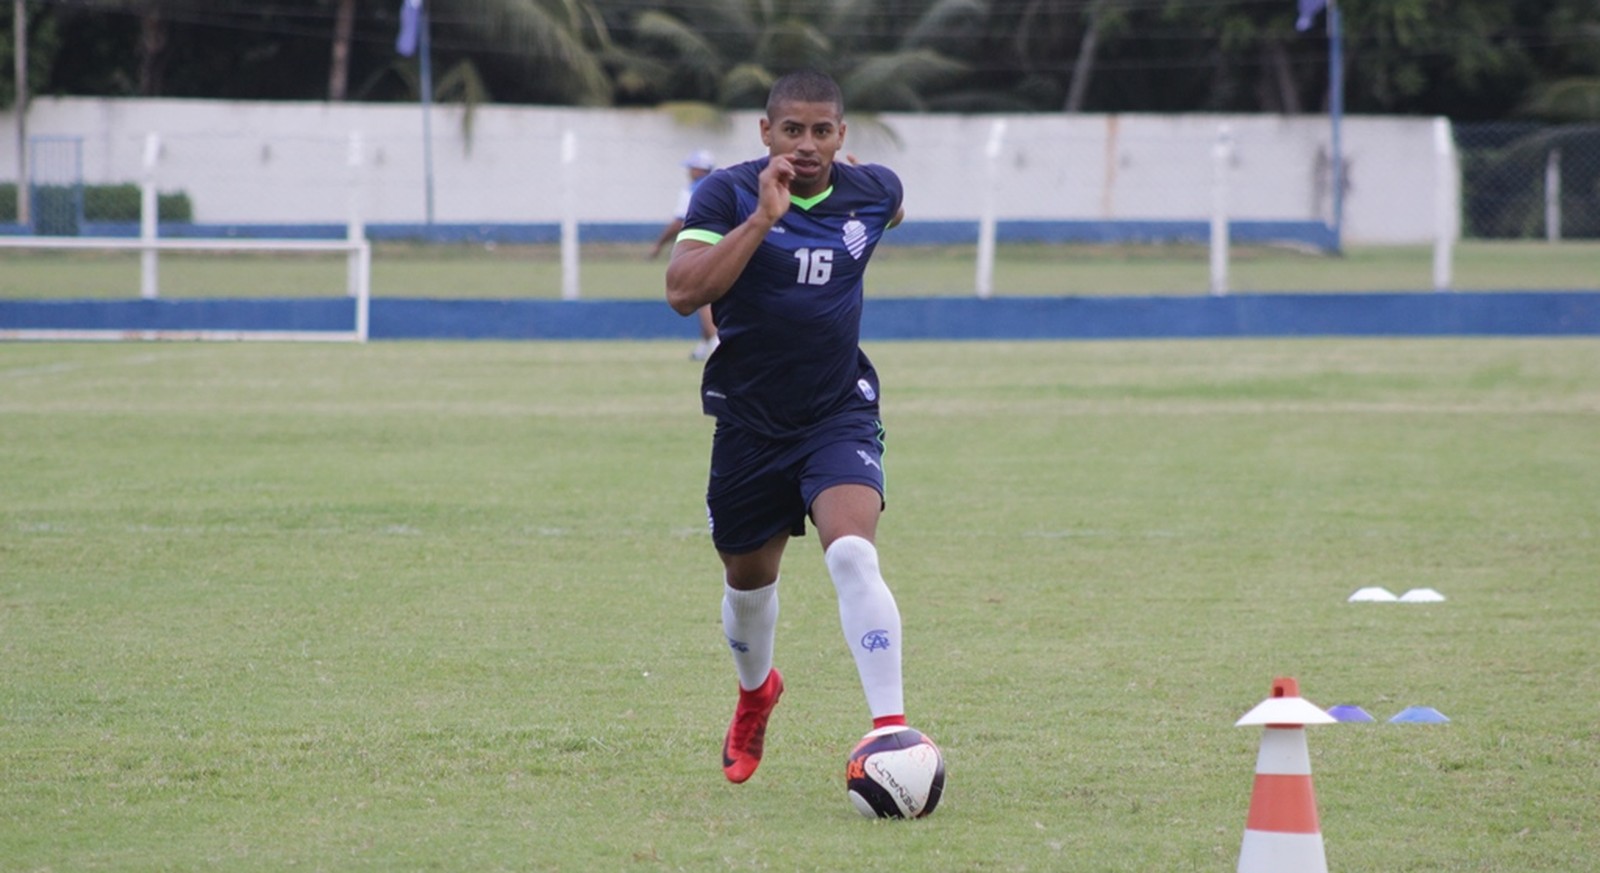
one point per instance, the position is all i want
(867, 459)
(865, 388)
(875, 640)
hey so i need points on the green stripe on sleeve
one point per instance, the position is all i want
(705, 236)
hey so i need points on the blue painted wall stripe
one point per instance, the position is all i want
(1541, 313)
(273, 315)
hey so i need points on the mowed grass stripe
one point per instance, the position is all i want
(624, 272)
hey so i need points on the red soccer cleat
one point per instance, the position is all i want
(741, 750)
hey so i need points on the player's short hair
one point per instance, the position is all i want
(805, 86)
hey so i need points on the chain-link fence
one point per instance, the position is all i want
(55, 189)
(1530, 180)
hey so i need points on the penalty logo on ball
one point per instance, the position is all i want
(895, 772)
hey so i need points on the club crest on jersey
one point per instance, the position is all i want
(865, 388)
(855, 237)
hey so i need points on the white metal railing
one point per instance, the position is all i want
(358, 274)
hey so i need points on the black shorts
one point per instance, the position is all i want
(761, 487)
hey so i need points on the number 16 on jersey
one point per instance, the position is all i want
(816, 266)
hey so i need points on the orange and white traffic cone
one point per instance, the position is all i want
(1282, 834)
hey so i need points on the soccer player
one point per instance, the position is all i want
(698, 165)
(778, 246)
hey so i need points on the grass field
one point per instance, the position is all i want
(624, 272)
(452, 607)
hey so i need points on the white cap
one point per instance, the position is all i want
(700, 160)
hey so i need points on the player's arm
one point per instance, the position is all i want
(667, 234)
(700, 273)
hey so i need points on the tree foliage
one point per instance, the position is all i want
(1468, 59)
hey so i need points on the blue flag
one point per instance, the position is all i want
(1308, 12)
(410, 21)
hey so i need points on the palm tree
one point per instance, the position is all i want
(539, 51)
(898, 57)
(534, 50)
(153, 16)
(344, 24)
(544, 50)
(727, 53)
(1576, 99)
(152, 47)
(1083, 66)
(721, 52)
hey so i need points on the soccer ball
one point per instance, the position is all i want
(895, 772)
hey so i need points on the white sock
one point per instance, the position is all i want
(750, 621)
(871, 622)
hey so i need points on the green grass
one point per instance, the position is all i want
(624, 272)
(415, 606)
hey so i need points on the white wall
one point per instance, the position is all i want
(257, 162)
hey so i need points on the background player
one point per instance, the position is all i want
(779, 246)
(698, 165)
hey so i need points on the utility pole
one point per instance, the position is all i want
(19, 26)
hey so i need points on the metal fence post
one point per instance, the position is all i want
(149, 217)
(1445, 214)
(1221, 157)
(1552, 196)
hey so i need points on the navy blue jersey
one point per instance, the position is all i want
(790, 326)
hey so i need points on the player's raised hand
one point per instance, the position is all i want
(774, 181)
